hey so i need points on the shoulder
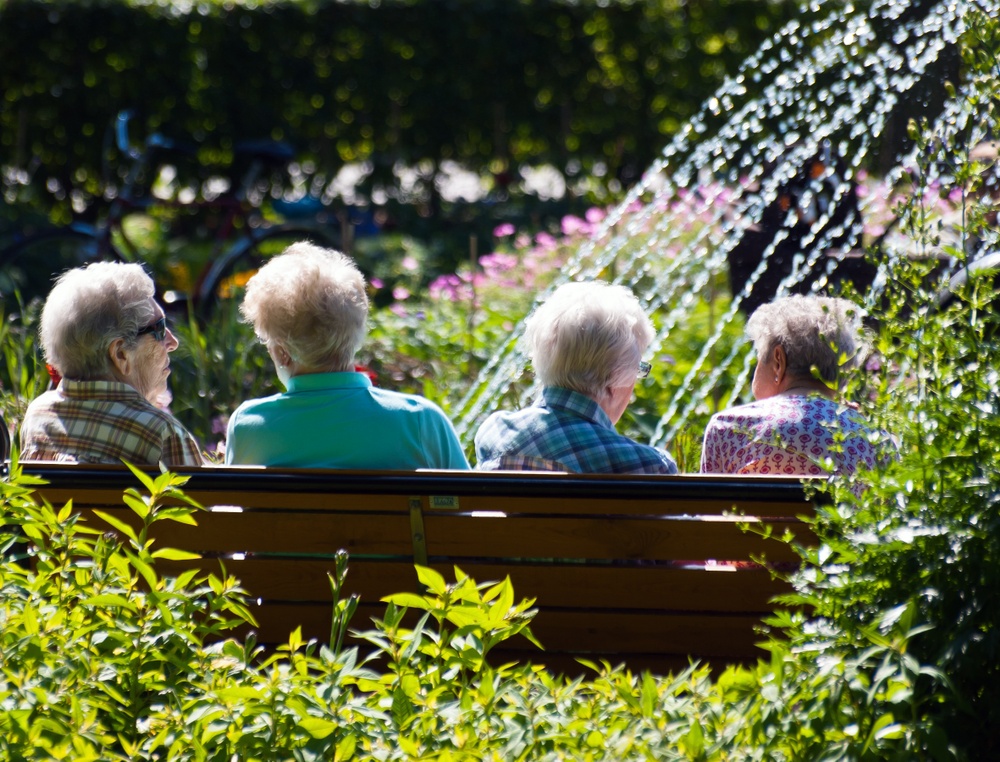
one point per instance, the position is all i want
(254, 406)
(406, 403)
(164, 420)
(747, 413)
(41, 403)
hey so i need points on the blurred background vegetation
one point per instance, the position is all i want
(406, 90)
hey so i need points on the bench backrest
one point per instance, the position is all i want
(623, 568)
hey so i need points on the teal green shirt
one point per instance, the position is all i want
(339, 420)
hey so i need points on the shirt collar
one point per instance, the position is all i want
(558, 398)
(112, 390)
(311, 382)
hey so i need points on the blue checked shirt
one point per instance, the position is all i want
(563, 431)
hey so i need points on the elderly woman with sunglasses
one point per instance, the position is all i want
(105, 335)
(796, 425)
(586, 343)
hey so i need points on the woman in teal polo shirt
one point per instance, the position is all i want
(309, 307)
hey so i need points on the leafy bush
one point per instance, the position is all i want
(101, 657)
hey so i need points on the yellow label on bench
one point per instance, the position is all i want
(443, 501)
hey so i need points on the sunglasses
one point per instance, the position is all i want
(644, 368)
(158, 329)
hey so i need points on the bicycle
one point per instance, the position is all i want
(243, 238)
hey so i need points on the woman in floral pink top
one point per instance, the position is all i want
(796, 425)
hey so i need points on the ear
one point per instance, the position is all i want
(280, 355)
(779, 361)
(121, 360)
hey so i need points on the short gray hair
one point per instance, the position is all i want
(588, 336)
(312, 301)
(820, 334)
(87, 309)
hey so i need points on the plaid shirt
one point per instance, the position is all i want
(104, 422)
(563, 431)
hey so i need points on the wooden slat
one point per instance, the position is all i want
(600, 537)
(305, 580)
(302, 501)
(568, 664)
(586, 635)
(620, 505)
(83, 496)
(672, 634)
(277, 621)
(283, 531)
(223, 481)
(637, 588)
(560, 587)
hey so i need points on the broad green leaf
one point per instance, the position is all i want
(137, 503)
(173, 554)
(109, 600)
(180, 514)
(649, 696)
(431, 579)
(317, 727)
(144, 479)
(346, 747)
(409, 600)
(118, 524)
(143, 568)
(238, 692)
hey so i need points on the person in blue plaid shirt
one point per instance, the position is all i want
(586, 344)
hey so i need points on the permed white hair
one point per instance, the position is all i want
(312, 301)
(820, 334)
(588, 336)
(88, 308)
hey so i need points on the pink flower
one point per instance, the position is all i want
(503, 230)
(595, 215)
(497, 263)
(409, 263)
(546, 241)
(450, 287)
(400, 294)
(377, 283)
(574, 225)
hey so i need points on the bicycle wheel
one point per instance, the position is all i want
(226, 279)
(29, 267)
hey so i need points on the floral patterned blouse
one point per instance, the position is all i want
(793, 434)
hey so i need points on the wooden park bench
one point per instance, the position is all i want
(620, 567)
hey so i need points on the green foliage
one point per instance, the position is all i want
(490, 83)
(102, 657)
(95, 643)
(22, 369)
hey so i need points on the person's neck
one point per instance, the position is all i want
(299, 370)
(806, 387)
